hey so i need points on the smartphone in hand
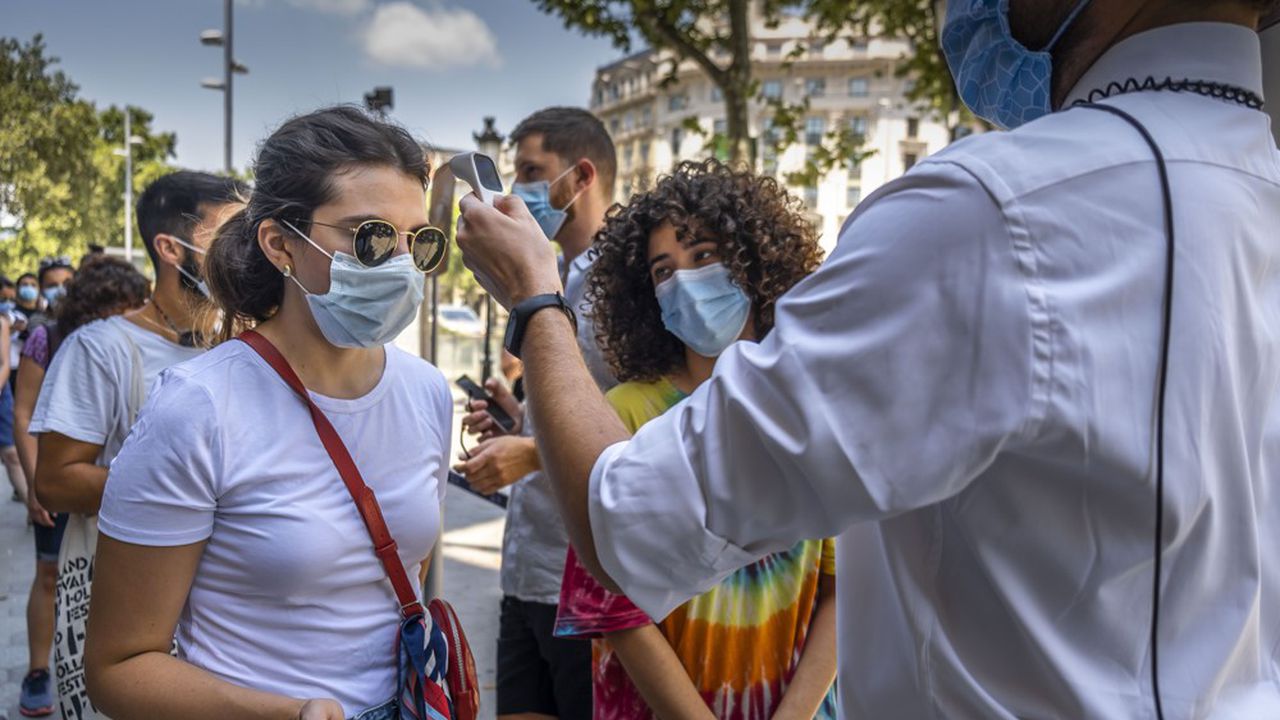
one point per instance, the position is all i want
(475, 392)
(497, 498)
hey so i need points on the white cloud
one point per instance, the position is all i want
(402, 34)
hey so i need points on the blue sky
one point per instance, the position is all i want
(450, 62)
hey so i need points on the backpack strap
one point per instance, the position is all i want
(384, 546)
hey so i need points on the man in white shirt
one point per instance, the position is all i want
(100, 376)
(565, 167)
(967, 391)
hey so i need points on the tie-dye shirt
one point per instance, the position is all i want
(740, 642)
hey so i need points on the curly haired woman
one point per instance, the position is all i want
(683, 272)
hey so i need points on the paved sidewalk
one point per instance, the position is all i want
(17, 568)
(473, 543)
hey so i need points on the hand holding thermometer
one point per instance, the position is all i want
(478, 170)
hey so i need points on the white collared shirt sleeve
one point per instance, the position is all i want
(893, 376)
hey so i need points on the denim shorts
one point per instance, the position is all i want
(49, 539)
(385, 711)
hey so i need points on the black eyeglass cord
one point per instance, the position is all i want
(1162, 388)
(1218, 91)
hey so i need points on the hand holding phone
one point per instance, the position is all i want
(492, 408)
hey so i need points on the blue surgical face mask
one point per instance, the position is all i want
(53, 294)
(365, 306)
(537, 196)
(7, 306)
(192, 280)
(999, 79)
(704, 308)
(28, 293)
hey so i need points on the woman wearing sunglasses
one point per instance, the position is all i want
(225, 525)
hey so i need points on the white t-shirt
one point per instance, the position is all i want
(289, 597)
(86, 392)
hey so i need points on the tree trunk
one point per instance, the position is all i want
(736, 100)
(738, 128)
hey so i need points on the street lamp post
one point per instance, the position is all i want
(380, 100)
(489, 142)
(129, 141)
(223, 39)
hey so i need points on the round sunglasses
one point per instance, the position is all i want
(374, 241)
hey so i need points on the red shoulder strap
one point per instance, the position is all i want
(384, 546)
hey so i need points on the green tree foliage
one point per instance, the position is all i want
(61, 182)
(715, 35)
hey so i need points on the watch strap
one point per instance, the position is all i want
(526, 309)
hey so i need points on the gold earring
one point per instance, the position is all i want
(288, 270)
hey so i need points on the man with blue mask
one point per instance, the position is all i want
(565, 166)
(1034, 389)
(96, 383)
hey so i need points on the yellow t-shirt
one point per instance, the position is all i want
(740, 642)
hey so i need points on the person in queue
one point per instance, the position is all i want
(225, 523)
(682, 272)
(96, 384)
(565, 168)
(103, 287)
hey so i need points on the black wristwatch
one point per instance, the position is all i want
(520, 314)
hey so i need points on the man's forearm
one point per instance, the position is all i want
(574, 424)
(75, 488)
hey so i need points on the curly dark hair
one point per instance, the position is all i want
(104, 286)
(761, 234)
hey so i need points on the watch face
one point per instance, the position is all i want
(510, 334)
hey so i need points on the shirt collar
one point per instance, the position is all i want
(1223, 53)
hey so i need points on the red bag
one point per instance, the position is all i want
(461, 673)
(420, 693)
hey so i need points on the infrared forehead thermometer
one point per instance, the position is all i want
(478, 170)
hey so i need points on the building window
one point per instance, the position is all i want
(811, 197)
(859, 45)
(677, 102)
(772, 89)
(858, 125)
(626, 189)
(773, 49)
(720, 127)
(614, 126)
(627, 155)
(677, 137)
(815, 87)
(646, 117)
(644, 154)
(614, 92)
(859, 87)
(855, 172)
(853, 196)
(814, 129)
(628, 122)
(717, 95)
(909, 161)
(913, 127)
(817, 47)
